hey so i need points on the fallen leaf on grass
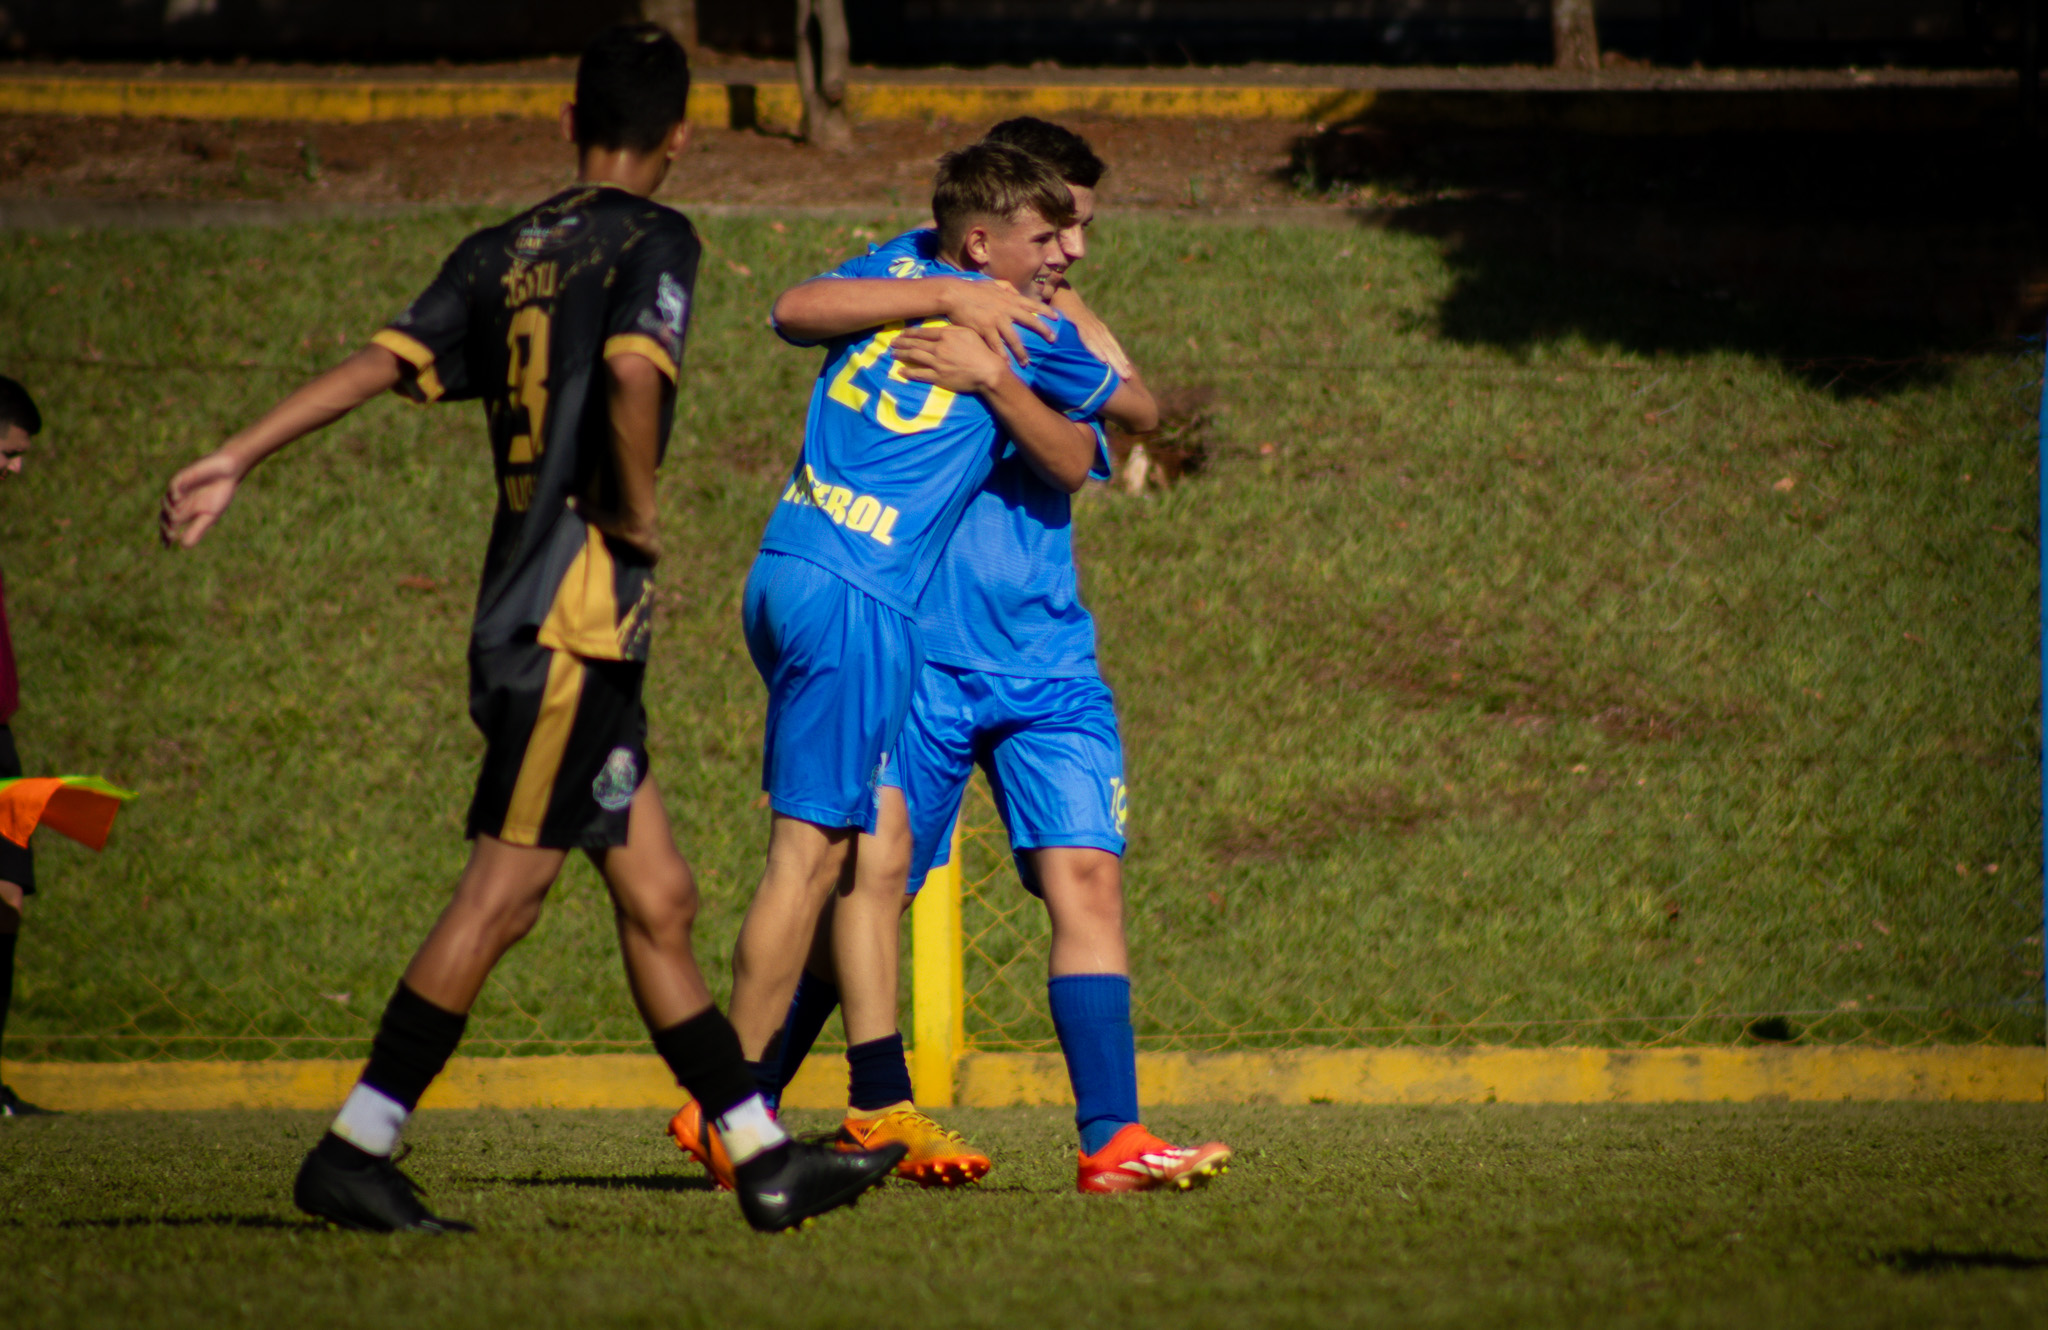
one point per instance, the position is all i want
(740, 268)
(1786, 485)
(417, 583)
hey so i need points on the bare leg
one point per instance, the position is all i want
(497, 901)
(804, 864)
(654, 898)
(1084, 894)
(866, 931)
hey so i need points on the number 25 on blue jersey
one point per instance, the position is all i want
(888, 414)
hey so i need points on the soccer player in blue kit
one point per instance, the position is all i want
(904, 426)
(1010, 683)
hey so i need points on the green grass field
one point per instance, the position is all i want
(1891, 1215)
(1594, 660)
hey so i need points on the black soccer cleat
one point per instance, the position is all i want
(376, 1198)
(13, 1105)
(813, 1179)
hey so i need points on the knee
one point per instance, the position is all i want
(664, 908)
(512, 921)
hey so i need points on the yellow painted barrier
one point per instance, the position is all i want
(773, 104)
(1536, 1076)
(998, 1080)
(603, 1080)
(938, 1023)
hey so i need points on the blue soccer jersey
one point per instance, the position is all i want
(888, 464)
(1006, 597)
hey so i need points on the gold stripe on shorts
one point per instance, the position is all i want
(544, 748)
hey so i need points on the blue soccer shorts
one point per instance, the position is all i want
(1050, 747)
(840, 668)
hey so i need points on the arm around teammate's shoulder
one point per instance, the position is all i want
(828, 307)
(198, 495)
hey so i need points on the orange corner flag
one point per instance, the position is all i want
(81, 807)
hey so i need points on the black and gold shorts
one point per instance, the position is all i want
(565, 746)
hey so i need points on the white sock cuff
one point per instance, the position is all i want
(747, 1129)
(370, 1120)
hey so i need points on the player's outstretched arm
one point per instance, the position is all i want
(199, 494)
(1131, 406)
(828, 307)
(633, 399)
(953, 358)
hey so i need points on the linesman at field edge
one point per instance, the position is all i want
(19, 423)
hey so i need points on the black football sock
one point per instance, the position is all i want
(704, 1054)
(877, 1074)
(414, 1041)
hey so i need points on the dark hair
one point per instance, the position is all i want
(18, 408)
(1055, 145)
(996, 180)
(632, 87)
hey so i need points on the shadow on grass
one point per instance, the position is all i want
(1864, 262)
(195, 1221)
(1939, 1261)
(663, 1182)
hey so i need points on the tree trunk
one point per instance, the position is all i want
(1574, 43)
(678, 16)
(821, 53)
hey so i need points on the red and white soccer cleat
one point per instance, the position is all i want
(1136, 1160)
(693, 1136)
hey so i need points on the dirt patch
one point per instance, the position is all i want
(1307, 826)
(1198, 165)
(1448, 666)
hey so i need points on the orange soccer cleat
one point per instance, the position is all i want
(693, 1136)
(936, 1156)
(1136, 1160)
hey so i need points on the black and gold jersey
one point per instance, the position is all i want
(522, 317)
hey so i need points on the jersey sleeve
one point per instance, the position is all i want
(897, 258)
(649, 311)
(1065, 374)
(429, 338)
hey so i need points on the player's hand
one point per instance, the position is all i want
(953, 358)
(994, 311)
(196, 498)
(1095, 334)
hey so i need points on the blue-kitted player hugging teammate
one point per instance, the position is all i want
(1008, 681)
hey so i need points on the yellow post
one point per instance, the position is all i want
(938, 1007)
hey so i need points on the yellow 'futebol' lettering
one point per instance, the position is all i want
(862, 513)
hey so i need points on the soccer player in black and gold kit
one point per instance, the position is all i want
(567, 323)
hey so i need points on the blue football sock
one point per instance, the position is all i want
(1092, 1014)
(815, 1001)
(877, 1073)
